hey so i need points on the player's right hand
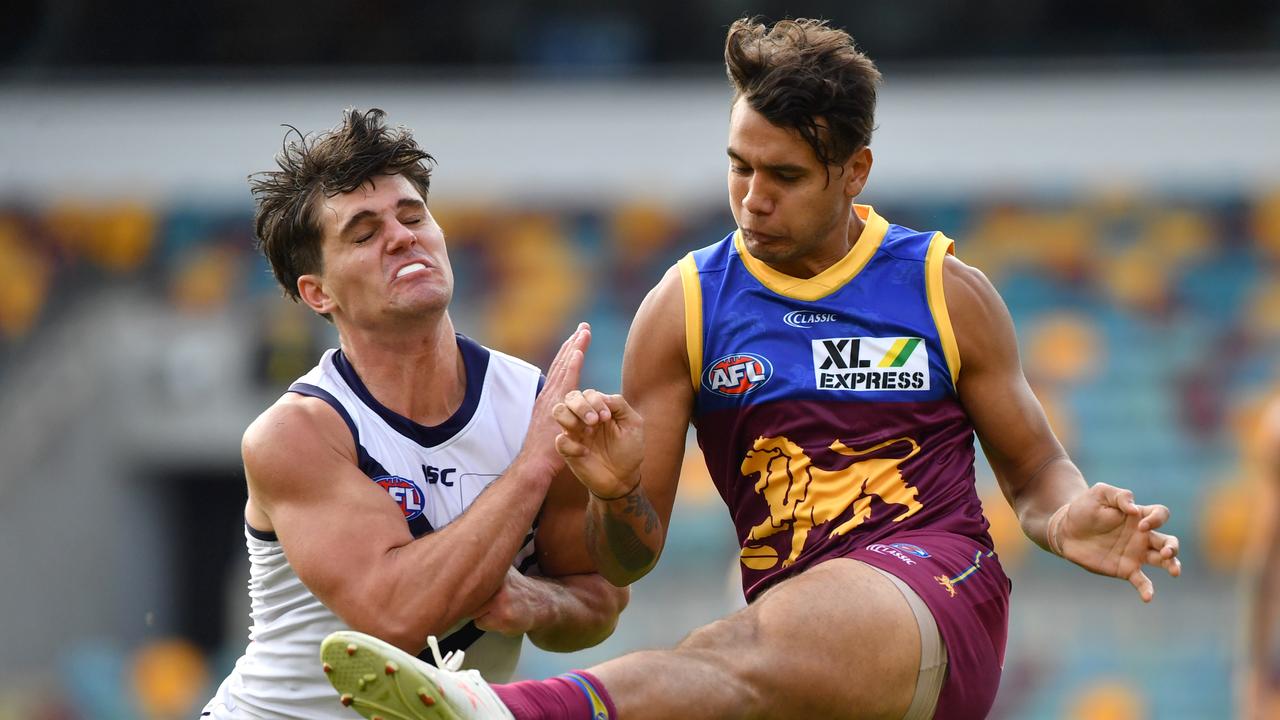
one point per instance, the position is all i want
(602, 441)
(562, 376)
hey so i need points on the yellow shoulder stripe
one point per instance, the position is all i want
(939, 247)
(692, 317)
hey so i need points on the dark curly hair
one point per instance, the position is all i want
(335, 162)
(805, 75)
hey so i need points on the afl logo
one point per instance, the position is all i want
(405, 493)
(737, 374)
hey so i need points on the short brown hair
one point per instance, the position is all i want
(805, 75)
(335, 162)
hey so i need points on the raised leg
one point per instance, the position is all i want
(838, 641)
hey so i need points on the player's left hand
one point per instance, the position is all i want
(602, 441)
(515, 609)
(1106, 532)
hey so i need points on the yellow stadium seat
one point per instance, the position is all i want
(169, 678)
(25, 276)
(1265, 223)
(1108, 700)
(206, 278)
(1063, 347)
(538, 286)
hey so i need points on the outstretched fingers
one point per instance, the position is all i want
(1164, 553)
(1146, 589)
(1163, 547)
(565, 369)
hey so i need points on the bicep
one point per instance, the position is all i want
(1007, 416)
(318, 501)
(656, 382)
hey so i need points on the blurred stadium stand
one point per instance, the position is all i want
(582, 36)
(1128, 210)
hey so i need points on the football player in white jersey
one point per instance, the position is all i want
(352, 520)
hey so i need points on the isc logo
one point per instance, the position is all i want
(440, 475)
(737, 374)
(404, 492)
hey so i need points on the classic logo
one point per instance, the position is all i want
(891, 551)
(802, 495)
(865, 364)
(404, 492)
(804, 319)
(737, 374)
(912, 549)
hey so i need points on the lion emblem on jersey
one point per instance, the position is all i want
(802, 495)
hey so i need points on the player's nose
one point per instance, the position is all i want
(757, 200)
(401, 237)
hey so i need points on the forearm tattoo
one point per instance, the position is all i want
(620, 520)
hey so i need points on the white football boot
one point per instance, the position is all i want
(383, 682)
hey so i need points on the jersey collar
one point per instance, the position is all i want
(829, 280)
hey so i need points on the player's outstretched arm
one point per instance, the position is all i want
(602, 441)
(1100, 528)
(347, 540)
(627, 449)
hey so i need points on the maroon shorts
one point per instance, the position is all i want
(966, 590)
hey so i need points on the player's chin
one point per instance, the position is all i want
(773, 251)
(420, 303)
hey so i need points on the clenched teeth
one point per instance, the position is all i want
(411, 267)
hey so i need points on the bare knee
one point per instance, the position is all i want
(730, 648)
(729, 635)
(805, 649)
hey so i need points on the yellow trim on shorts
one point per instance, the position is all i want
(829, 280)
(939, 248)
(692, 317)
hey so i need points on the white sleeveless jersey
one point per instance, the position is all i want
(434, 474)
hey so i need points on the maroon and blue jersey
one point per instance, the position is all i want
(826, 407)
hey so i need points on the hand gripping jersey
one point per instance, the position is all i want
(826, 407)
(433, 474)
